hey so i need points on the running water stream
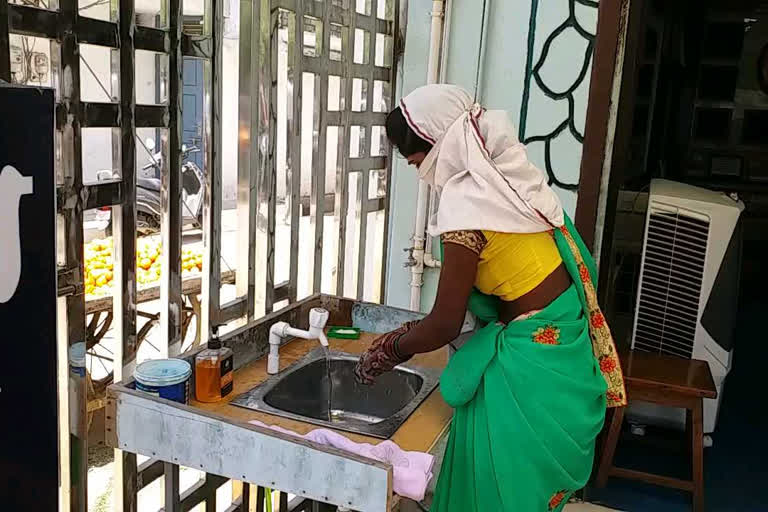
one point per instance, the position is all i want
(327, 352)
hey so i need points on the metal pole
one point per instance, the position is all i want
(72, 164)
(125, 479)
(211, 288)
(172, 218)
(247, 148)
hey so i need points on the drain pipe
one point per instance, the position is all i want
(416, 260)
(429, 260)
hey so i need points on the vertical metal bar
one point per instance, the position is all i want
(172, 496)
(366, 152)
(245, 497)
(362, 209)
(210, 487)
(125, 490)
(390, 160)
(117, 161)
(260, 495)
(170, 286)
(125, 227)
(114, 63)
(270, 180)
(5, 43)
(63, 382)
(317, 195)
(246, 171)
(262, 156)
(294, 146)
(158, 62)
(72, 163)
(124, 303)
(342, 192)
(345, 134)
(371, 69)
(211, 289)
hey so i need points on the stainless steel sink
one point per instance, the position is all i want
(304, 392)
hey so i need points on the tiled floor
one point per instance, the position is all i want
(585, 507)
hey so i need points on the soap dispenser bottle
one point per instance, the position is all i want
(214, 371)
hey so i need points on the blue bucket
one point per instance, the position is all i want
(165, 378)
(77, 359)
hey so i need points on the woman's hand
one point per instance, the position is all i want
(437, 329)
(382, 356)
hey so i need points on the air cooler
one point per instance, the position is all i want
(688, 287)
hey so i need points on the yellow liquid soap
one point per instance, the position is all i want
(214, 372)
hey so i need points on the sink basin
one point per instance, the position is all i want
(323, 391)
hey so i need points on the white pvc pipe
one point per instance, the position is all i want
(435, 42)
(429, 260)
(318, 317)
(420, 225)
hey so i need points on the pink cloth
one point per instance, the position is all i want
(411, 471)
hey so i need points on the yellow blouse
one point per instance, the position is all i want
(511, 264)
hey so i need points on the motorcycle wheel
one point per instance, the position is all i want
(146, 224)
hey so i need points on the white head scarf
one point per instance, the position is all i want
(478, 167)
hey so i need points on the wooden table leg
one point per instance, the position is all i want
(697, 455)
(609, 447)
(689, 431)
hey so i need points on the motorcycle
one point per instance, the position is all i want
(148, 190)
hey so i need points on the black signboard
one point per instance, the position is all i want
(29, 472)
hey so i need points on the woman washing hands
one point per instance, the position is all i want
(530, 388)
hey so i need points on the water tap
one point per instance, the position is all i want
(318, 317)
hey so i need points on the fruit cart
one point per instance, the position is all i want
(98, 273)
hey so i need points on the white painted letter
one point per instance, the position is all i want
(12, 186)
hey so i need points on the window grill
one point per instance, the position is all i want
(344, 55)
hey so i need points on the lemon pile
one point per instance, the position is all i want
(191, 262)
(99, 264)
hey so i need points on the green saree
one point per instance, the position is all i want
(529, 399)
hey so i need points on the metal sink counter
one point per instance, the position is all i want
(304, 392)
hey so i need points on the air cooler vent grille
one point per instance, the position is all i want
(670, 283)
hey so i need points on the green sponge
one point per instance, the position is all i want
(344, 333)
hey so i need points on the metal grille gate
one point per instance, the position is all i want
(365, 78)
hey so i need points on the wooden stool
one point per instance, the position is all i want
(666, 381)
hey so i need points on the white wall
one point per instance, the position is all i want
(506, 81)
